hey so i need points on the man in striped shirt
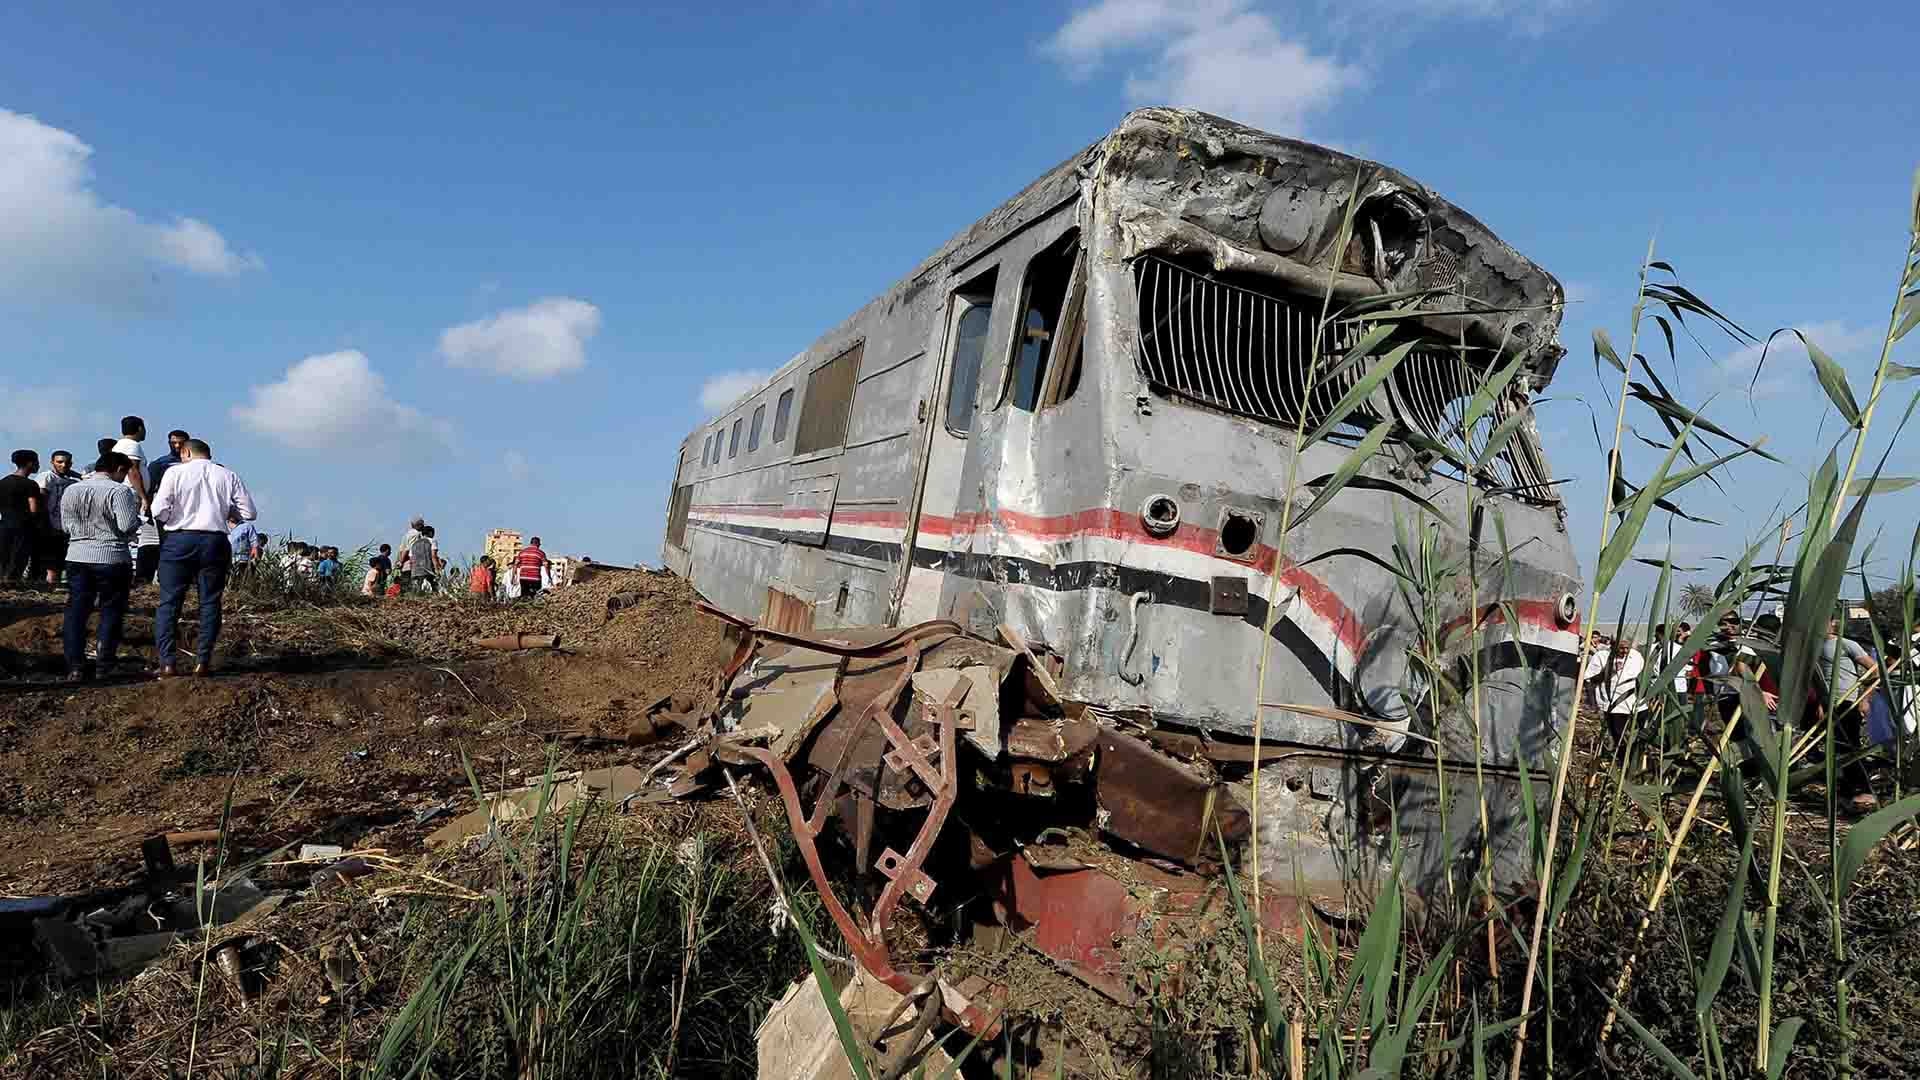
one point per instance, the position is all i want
(531, 561)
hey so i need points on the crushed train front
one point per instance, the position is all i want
(1431, 600)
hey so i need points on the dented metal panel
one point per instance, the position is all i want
(808, 508)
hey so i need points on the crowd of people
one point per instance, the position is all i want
(1711, 682)
(126, 521)
(186, 522)
(531, 568)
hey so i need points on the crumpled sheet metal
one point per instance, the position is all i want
(617, 785)
(117, 930)
(877, 674)
(906, 706)
(789, 689)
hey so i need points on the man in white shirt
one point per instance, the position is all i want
(147, 546)
(196, 500)
(1613, 677)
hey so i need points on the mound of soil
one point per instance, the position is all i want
(341, 724)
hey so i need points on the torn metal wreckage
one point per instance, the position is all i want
(945, 769)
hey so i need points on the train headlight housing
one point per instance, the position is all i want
(1159, 515)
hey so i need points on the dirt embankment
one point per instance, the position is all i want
(336, 724)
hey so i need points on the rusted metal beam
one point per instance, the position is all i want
(1153, 802)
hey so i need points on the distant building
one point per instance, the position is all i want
(502, 545)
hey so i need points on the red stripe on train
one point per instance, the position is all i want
(1103, 522)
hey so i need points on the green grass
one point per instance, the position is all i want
(569, 966)
(593, 957)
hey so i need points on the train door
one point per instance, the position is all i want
(1037, 468)
(939, 541)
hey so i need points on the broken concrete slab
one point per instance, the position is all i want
(797, 1040)
(617, 784)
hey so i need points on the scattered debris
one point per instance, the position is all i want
(117, 930)
(798, 1038)
(517, 641)
(340, 873)
(553, 794)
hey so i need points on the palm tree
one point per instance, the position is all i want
(1696, 599)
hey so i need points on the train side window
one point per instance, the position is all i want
(781, 412)
(973, 305)
(823, 416)
(1049, 329)
(733, 444)
(677, 508)
(753, 433)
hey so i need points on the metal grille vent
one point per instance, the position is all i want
(1234, 348)
(1429, 393)
(1248, 352)
(1436, 268)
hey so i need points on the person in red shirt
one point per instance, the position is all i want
(480, 581)
(531, 561)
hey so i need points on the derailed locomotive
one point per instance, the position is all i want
(1077, 420)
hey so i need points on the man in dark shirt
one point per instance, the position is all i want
(176, 446)
(19, 516)
(50, 553)
(380, 566)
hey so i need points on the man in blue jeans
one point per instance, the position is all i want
(196, 501)
(99, 516)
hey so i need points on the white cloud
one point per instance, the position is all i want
(192, 244)
(60, 240)
(336, 401)
(1256, 62)
(1526, 16)
(1222, 56)
(546, 338)
(722, 390)
(35, 412)
(1786, 358)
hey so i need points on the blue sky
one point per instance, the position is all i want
(480, 263)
